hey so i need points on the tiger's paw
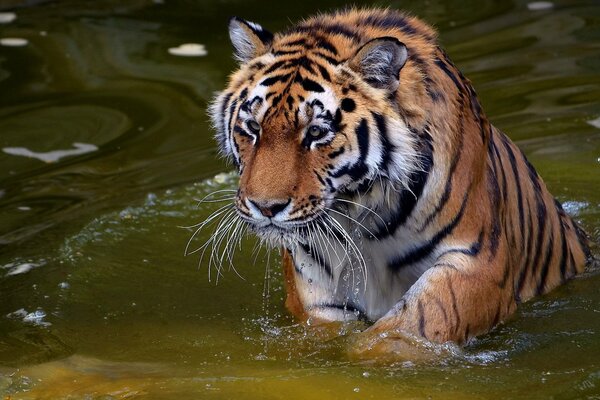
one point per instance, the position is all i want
(395, 346)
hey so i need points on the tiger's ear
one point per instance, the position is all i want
(379, 61)
(249, 40)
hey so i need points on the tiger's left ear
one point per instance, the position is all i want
(379, 61)
(249, 39)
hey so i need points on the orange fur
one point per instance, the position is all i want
(482, 196)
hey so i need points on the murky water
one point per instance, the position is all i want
(106, 150)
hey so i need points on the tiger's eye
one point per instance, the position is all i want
(315, 131)
(253, 126)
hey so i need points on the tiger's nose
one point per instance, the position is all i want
(270, 208)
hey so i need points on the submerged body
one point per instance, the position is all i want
(365, 153)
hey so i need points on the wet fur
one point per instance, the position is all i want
(454, 226)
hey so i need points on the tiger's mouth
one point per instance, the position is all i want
(283, 233)
(277, 234)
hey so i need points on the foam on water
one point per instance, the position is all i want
(189, 50)
(51, 156)
(7, 17)
(13, 42)
(34, 318)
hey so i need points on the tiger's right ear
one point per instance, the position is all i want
(249, 40)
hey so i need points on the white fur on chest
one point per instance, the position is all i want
(343, 291)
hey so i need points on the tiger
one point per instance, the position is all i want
(365, 155)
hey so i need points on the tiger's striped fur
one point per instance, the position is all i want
(365, 152)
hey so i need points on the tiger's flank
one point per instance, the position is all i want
(366, 155)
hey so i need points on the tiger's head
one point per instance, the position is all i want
(308, 119)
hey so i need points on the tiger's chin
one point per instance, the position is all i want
(277, 236)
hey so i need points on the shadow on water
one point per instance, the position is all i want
(113, 152)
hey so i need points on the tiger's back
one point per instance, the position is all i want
(453, 225)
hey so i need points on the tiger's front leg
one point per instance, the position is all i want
(452, 301)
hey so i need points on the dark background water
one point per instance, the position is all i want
(96, 297)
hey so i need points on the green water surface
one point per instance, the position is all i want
(96, 297)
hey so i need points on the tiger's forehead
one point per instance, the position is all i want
(293, 92)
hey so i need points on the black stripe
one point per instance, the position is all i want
(290, 101)
(275, 66)
(225, 103)
(443, 310)
(275, 101)
(541, 222)
(359, 168)
(426, 249)
(332, 29)
(337, 121)
(545, 266)
(572, 264)
(513, 163)
(476, 110)
(387, 147)
(324, 73)
(222, 136)
(389, 20)
(305, 63)
(327, 58)
(337, 152)
(319, 178)
(529, 257)
(421, 319)
(494, 193)
(501, 169)
(454, 303)
(286, 52)
(257, 65)
(298, 42)
(243, 94)
(326, 45)
(274, 79)
(564, 251)
(409, 197)
(563, 225)
(232, 107)
(455, 159)
(472, 250)
(394, 20)
(445, 69)
(312, 86)
(505, 275)
(242, 132)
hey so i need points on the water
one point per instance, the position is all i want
(114, 150)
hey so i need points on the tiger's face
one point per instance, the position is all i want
(305, 128)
